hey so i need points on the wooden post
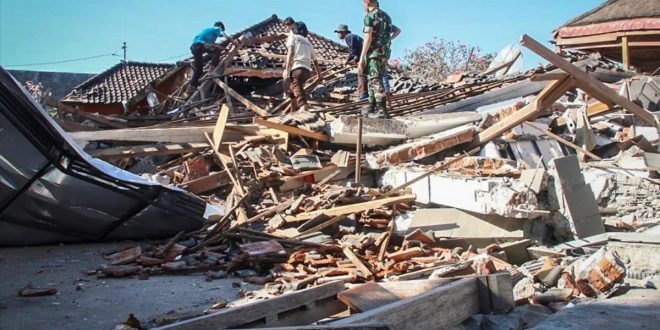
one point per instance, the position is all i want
(358, 153)
(625, 53)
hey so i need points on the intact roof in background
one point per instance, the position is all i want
(121, 82)
(615, 10)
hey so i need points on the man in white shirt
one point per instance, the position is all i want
(298, 66)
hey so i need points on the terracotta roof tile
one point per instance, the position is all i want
(121, 82)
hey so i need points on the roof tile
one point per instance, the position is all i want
(121, 82)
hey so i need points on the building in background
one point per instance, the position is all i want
(627, 31)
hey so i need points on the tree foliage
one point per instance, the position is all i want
(433, 61)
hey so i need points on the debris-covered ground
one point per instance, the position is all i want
(531, 194)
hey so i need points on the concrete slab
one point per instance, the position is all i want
(637, 309)
(454, 223)
(421, 148)
(497, 195)
(575, 198)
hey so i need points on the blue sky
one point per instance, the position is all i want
(36, 31)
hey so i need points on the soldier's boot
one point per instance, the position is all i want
(367, 110)
(381, 111)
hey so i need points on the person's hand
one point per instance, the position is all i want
(320, 78)
(361, 65)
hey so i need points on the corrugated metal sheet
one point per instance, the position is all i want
(52, 192)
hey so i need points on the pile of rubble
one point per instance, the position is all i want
(523, 194)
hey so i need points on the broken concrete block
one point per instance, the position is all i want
(536, 180)
(524, 289)
(575, 198)
(496, 195)
(421, 148)
(600, 271)
(454, 223)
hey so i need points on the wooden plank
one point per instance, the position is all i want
(209, 182)
(563, 141)
(357, 262)
(294, 182)
(587, 82)
(247, 103)
(147, 150)
(548, 76)
(220, 156)
(366, 297)
(443, 307)
(413, 288)
(383, 246)
(353, 208)
(599, 108)
(220, 124)
(192, 134)
(273, 308)
(292, 130)
(93, 117)
(548, 95)
(322, 225)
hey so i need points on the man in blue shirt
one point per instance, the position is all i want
(354, 44)
(204, 48)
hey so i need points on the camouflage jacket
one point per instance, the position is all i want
(379, 24)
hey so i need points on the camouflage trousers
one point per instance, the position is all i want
(375, 71)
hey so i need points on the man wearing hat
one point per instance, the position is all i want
(354, 43)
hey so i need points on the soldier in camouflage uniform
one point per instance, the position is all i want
(375, 54)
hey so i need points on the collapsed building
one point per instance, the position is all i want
(480, 194)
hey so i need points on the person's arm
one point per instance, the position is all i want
(289, 62)
(317, 67)
(353, 50)
(349, 57)
(368, 37)
(395, 32)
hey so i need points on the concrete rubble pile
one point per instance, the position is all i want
(527, 201)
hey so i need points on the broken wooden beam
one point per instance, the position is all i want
(192, 134)
(292, 130)
(247, 103)
(273, 312)
(207, 183)
(444, 307)
(353, 208)
(587, 82)
(147, 150)
(357, 262)
(547, 97)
